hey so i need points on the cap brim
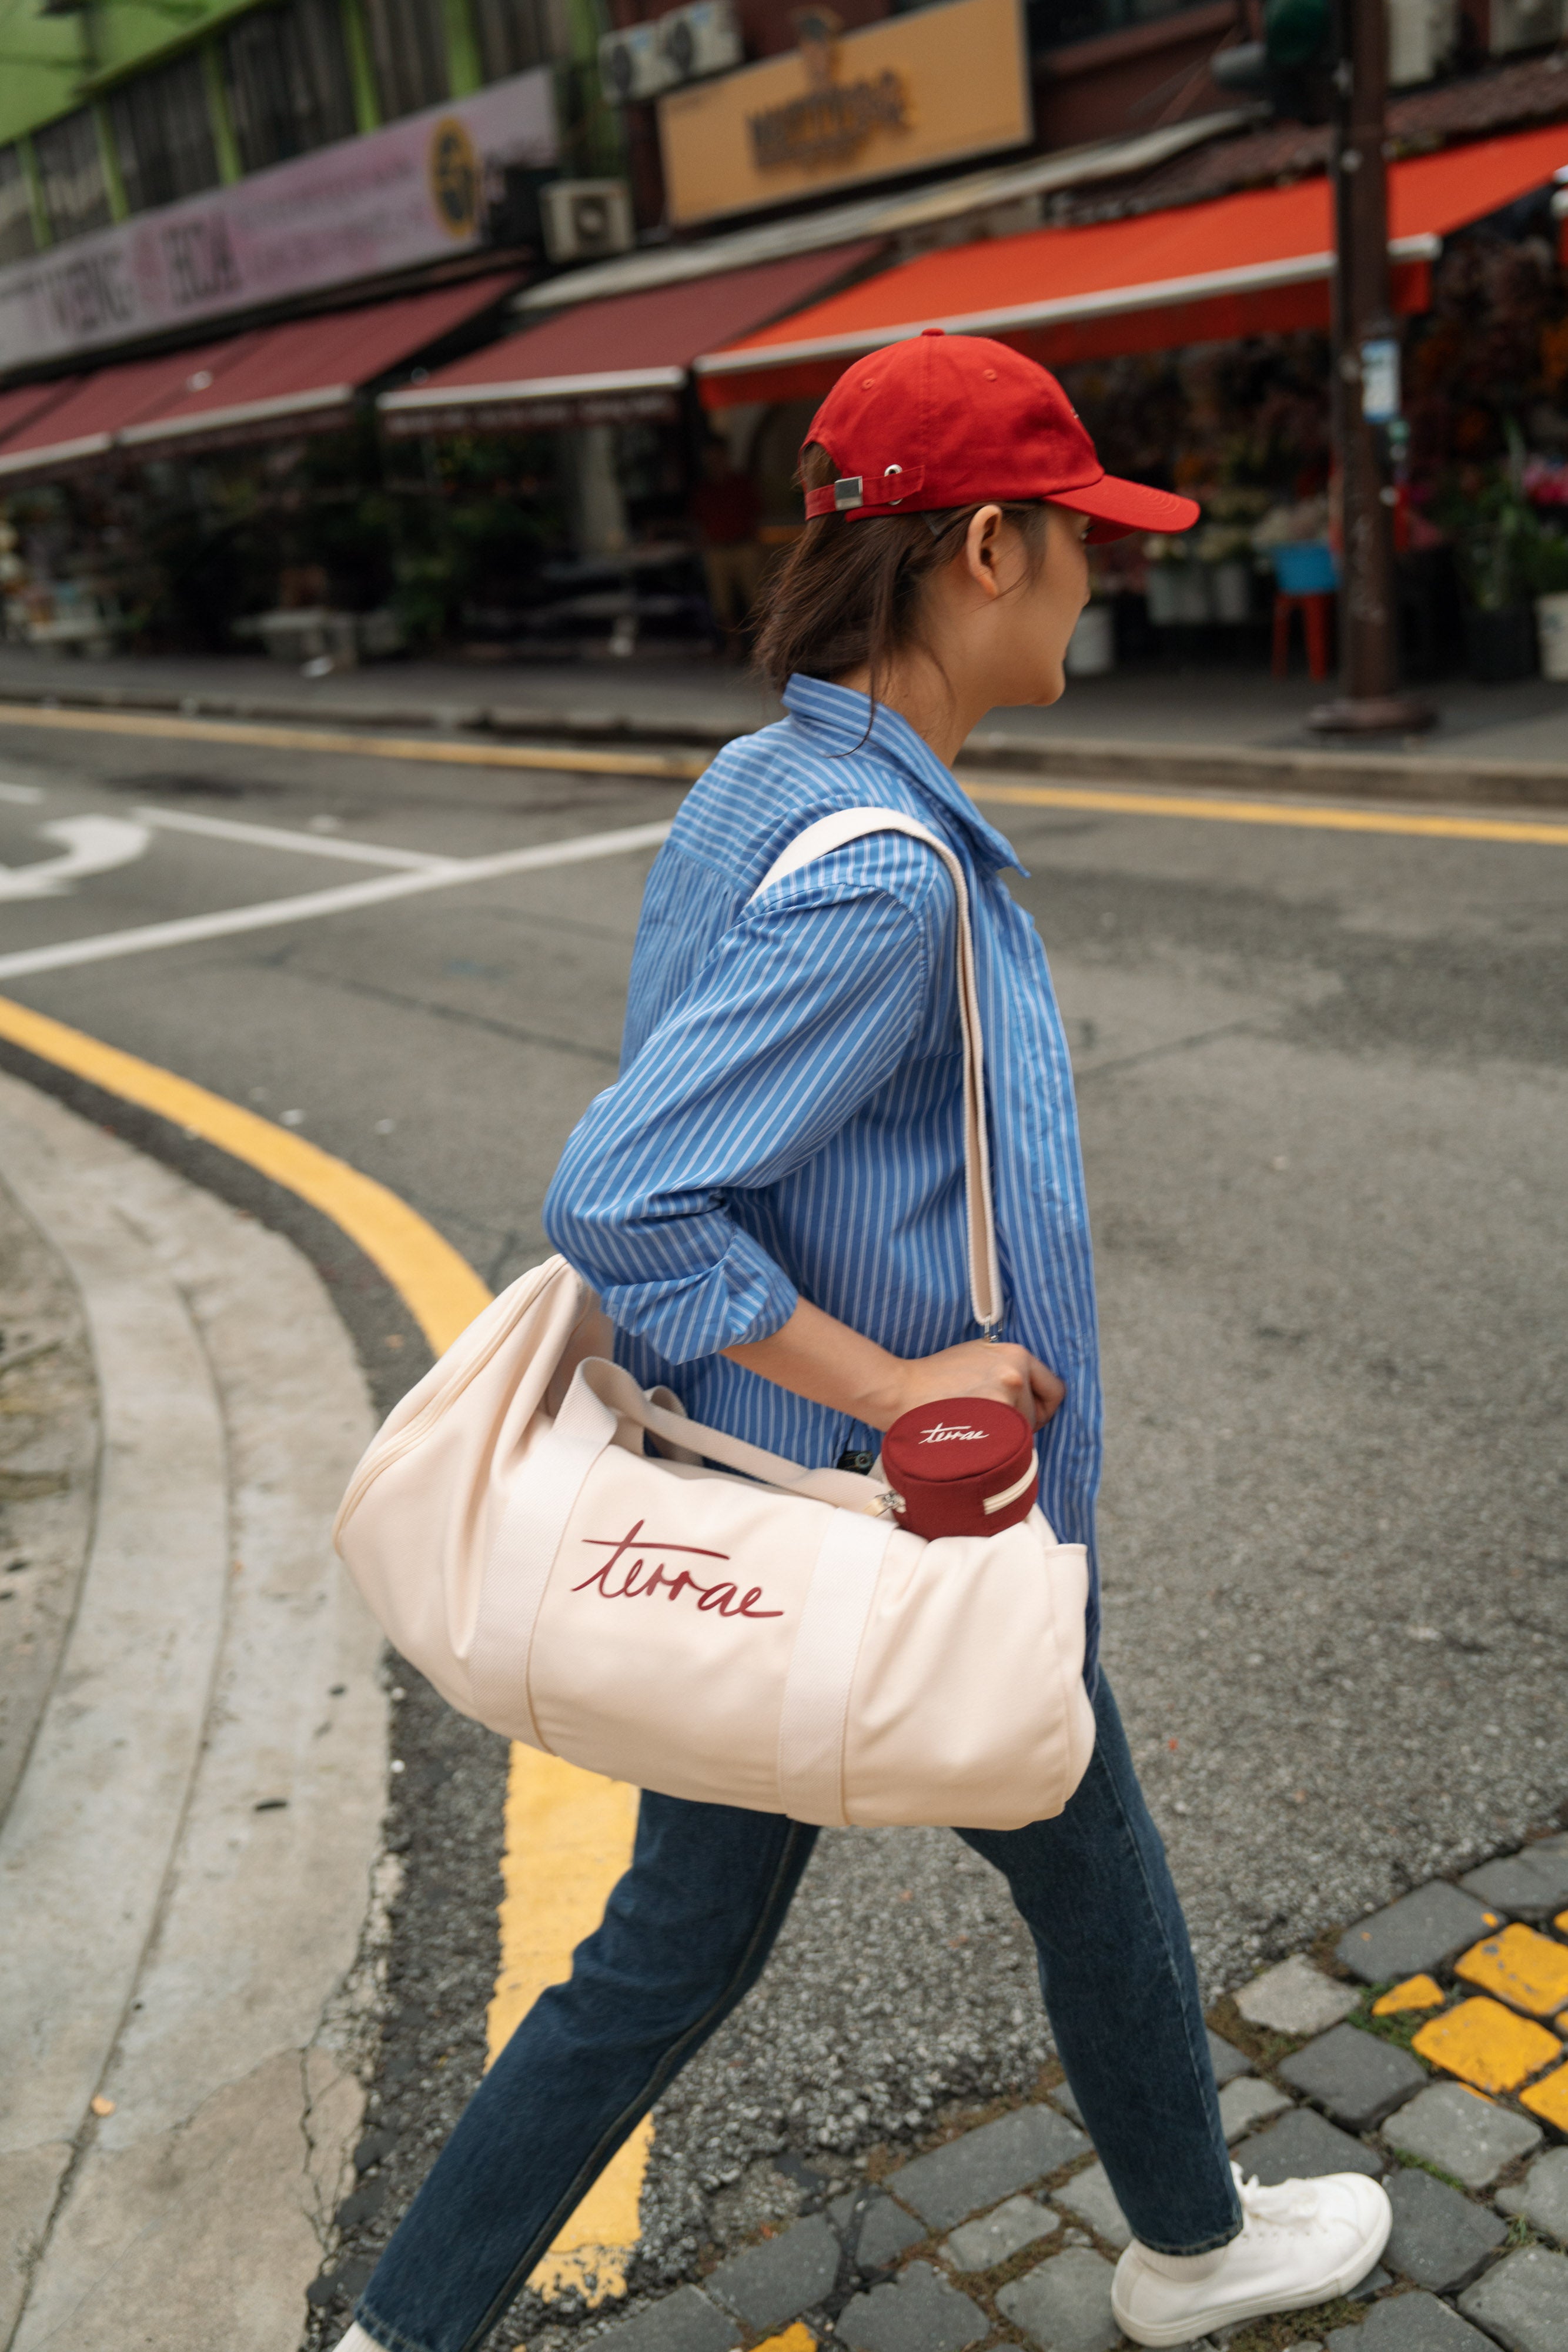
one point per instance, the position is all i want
(1119, 507)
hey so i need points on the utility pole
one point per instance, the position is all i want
(1365, 393)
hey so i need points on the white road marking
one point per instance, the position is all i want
(92, 845)
(272, 911)
(26, 793)
(276, 836)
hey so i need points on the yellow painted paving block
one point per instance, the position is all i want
(1529, 1971)
(1416, 1992)
(1549, 2099)
(798, 2338)
(569, 1838)
(1486, 2045)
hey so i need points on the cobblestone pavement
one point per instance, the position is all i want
(1425, 2045)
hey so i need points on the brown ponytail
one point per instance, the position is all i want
(849, 591)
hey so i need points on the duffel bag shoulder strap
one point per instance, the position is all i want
(602, 1391)
(835, 832)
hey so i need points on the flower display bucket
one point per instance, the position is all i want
(1551, 628)
(1305, 567)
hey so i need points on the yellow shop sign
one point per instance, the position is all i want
(929, 87)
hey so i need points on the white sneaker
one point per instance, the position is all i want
(1301, 2244)
(357, 2340)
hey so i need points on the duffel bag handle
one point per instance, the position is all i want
(835, 832)
(600, 1386)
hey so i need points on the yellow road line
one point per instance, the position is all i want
(678, 767)
(441, 1289)
(569, 1837)
(681, 767)
(568, 1833)
(1313, 815)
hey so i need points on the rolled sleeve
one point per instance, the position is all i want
(802, 1011)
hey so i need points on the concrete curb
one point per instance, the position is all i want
(1331, 773)
(193, 1848)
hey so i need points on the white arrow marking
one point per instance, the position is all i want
(185, 928)
(92, 845)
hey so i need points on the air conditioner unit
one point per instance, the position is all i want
(1422, 36)
(633, 65)
(586, 220)
(1526, 24)
(702, 39)
(683, 46)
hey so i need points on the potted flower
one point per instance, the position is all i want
(1490, 530)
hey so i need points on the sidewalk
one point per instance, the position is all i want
(1205, 725)
(190, 1850)
(1422, 2048)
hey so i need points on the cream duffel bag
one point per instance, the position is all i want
(771, 1639)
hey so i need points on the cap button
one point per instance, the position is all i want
(933, 331)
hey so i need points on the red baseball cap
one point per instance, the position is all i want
(944, 420)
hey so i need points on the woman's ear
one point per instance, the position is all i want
(981, 541)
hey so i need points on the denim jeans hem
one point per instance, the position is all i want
(382, 2332)
(1204, 2246)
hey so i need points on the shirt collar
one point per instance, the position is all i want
(840, 713)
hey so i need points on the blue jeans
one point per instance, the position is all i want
(686, 1933)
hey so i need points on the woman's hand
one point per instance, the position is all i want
(979, 1368)
(815, 1355)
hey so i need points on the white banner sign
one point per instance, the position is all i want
(390, 199)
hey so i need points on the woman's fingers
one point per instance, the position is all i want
(1001, 1372)
(1049, 1391)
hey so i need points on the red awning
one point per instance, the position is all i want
(612, 361)
(310, 370)
(1247, 264)
(299, 376)
(87, 416)
(24, 402)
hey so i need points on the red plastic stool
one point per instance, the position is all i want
(1317, 614)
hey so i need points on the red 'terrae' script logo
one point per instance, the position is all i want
(637, 1583)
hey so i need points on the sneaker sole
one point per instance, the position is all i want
(1183, 2331)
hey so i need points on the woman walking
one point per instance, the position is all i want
(771, 1203)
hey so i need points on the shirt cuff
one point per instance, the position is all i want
(745, 1297)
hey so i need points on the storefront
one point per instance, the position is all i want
(161, 500)
(1195, 344)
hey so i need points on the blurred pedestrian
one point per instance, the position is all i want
(726, 510)
(771, 1205)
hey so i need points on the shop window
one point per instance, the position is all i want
(1052, 23)
(513, 35)
(70, 168)
(16, 240)
(163, 134)
(288, 82)
(408, 50)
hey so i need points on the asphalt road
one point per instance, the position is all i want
(1325, 1121)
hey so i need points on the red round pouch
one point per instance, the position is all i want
(961, 1467)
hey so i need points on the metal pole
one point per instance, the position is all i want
(1365, 354)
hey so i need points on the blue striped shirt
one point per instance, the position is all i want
(788, 1118)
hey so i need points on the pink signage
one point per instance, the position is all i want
(393, 198)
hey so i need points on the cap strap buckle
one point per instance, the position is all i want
(849, 492)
